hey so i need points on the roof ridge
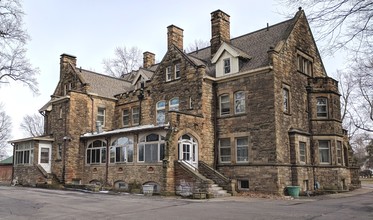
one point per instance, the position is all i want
(101, 74)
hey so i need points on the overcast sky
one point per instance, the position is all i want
(91, 29)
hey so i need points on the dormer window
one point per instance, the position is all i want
(177, 71)
(168, 73)
(227, 66)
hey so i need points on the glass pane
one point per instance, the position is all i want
(130, 153)
(103, 155)
(225, 142)
(112, 154)
(152, 137)
(161, 116)
(44, 155)
(241, 141)
(161, 104)
(141, 152)
(161, 151)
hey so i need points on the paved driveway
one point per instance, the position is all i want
(30, 203)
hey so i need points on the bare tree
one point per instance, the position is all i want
(5, 130)
(33, 125)
(124, 61)
(340, 23)
(196, 45)
(14, 66)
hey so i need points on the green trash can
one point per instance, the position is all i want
(293, 191)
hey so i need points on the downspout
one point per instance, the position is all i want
(107, 161)
(310, 127)
(216, 141)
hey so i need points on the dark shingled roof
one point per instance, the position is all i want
(103, 85)
(255, 44)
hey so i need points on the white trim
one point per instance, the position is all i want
(233, 76)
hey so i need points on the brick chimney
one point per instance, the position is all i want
(64, 61)
(149, 59)
(220, 30)
(174, 36)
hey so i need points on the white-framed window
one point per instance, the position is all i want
(177, 71)
(242, 152)
(59, 151)
(24, 153)
(161, 112)
(126, 117)
(339, 153)
(101, 115)
(322, 107)
(168, 73)
(96, 152)
(324, 151)
(227, 65)
(121, 150)
(224, 104)
(174, 104)
(151, 148)
(286, 100)
(304, 65)
(135, 115)
(239, 102)
(302, 152)
(225, 150)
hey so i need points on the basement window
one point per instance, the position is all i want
(243, 184)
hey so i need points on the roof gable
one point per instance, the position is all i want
(233, 51)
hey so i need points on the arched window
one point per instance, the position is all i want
(121, 150)
(174, 104)
(188, 150)
(161, 112)
(96, 152)
(151, 148)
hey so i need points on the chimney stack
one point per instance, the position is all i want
(64, 61)
(220, 30)
(149, 59)
(174, 36)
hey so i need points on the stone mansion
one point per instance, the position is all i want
(256, 112)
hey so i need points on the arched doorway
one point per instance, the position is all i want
(188, 150)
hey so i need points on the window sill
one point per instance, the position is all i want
(232, 116)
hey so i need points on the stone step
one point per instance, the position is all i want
(217, 191)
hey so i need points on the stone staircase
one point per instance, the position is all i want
(216, 191)
(207, 185)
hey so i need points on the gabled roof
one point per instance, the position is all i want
(235, 52)
(146, 74)
(103, 85)
(255, 44)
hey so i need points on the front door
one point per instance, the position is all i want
(188, 150)
(45, 156)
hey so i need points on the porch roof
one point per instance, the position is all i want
(124, 130)
(40, 138)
